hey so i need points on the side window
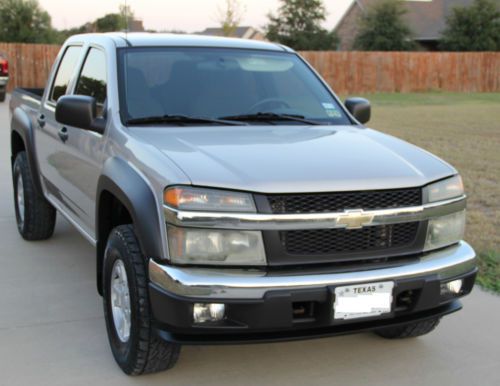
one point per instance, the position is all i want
(65, 72)
(92, 81)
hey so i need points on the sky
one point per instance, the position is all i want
(185, 15)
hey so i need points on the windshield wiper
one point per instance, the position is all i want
(180, 119)
(270, 117)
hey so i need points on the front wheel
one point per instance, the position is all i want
(135, 347)
(411, 330)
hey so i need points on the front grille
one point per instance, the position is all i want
(340, 241)
(339, 201)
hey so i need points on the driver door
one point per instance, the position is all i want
(80, 159)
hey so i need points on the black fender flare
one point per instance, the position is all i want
(130, 188)
(22, 125)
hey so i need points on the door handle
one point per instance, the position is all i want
(63, 134)
(41, 120)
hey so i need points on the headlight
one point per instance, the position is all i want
(444, 231)
(208, 246)
(446, 189)
(215, 247)
(210, 200)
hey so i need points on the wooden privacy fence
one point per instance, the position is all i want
(347, 72)
(365, 72)
(29, 64)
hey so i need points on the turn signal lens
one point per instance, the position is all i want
(172, 197)
(4, 68)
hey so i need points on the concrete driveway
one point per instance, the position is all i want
(52, 330)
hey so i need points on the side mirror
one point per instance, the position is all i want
(79, 111)
(360, 108)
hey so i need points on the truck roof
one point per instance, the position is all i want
(145, 39)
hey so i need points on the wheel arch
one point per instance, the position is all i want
(124, 196)
(22, 139)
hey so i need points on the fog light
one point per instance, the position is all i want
(452, 288)
(212, 312)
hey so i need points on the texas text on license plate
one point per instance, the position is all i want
(363, 300)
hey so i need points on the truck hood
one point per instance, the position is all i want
(286, 159)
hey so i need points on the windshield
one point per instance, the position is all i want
(220, 83)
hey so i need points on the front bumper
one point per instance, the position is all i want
(260, 305)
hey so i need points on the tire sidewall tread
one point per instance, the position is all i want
(39, 215)
(410, 330)
(144, 352)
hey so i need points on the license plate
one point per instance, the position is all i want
(363, 300)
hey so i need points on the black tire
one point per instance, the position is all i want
(143, 352)
(38, 219)
(2, 96)
(411, 330)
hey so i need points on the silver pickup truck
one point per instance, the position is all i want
(232, 197)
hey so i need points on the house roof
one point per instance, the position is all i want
(426, 18)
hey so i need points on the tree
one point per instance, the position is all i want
(383, 28)
(24, 21)
(298, 25)
(474, 28)
(126, 15)
(62, 35)
(230, 17)
(110, 22)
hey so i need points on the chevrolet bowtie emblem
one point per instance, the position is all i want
(355, 219)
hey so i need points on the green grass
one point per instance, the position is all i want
(489, 266)
(464, 130)
(432, 98)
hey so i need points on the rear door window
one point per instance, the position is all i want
(65, 72)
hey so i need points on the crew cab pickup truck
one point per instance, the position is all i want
(232, 197)
(4, 76)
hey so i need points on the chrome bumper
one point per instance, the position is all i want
(3, 80)
(217, 283)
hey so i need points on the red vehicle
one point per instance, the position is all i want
(4, 76)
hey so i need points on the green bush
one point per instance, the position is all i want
(474, 28)
(383, 28)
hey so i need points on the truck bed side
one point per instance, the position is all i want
(29, 98)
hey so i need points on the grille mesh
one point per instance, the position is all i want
(334, 202)
(331, 241)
